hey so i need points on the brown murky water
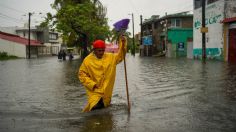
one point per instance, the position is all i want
(167, 95)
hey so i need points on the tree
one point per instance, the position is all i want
(114, 35)
(79, 21)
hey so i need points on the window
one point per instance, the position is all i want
(52, 36)
(175, 23)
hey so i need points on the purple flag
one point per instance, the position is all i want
(121, 25)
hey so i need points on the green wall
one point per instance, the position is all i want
(179, 35)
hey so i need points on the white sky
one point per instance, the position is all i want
(119, 9)
(15, 12)
(12, 11)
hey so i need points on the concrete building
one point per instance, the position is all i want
(179, 42)
(158, 30)
(221, 23)
(18, 46)
(50, 39)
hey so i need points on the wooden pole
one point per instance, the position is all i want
(126, 80)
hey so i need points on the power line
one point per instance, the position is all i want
(37, 20)
(15, 19)
(12, 9)
(8, 20)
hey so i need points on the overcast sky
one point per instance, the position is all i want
(119, 9)
(15, 12)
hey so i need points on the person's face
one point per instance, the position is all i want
(99, 52)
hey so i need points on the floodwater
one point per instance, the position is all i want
(166, 95)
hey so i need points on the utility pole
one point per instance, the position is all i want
(203, 30)
(166, 33)
(133, 34)
(29, 37)
(141, 36)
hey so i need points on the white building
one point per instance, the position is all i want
(18, 46)
(220, 21)
(49, 38)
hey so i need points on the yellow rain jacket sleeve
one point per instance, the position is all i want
(101, 72)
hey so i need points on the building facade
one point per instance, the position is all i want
(179, 42)
(220, 18)
(18, 46)
(49, 39)
(161, 30)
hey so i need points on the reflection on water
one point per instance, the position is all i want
(97, 122)
(166, 95)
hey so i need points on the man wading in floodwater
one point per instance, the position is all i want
(97, 74)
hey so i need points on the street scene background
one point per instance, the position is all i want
(168, 95)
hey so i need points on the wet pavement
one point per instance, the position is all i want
(167, 95)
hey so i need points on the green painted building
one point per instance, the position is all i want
(178, 42)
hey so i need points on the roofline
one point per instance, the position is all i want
(34, 42)
(25, 29)
(13, 35)
(179, 15)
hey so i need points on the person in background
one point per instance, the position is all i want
(59, 55)
(70, 56)
(63, 55)
(97, 74)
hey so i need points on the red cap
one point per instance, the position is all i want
(99, 44)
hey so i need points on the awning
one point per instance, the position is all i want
(227, 20)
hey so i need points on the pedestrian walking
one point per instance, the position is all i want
(63, 55)
(97, 74)
(59, 55)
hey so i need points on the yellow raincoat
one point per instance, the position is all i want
(101, 72)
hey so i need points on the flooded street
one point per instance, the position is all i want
(167, 95)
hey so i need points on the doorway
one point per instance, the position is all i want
(232, 45)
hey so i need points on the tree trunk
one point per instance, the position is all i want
(85, 45)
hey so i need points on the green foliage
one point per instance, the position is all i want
(78, 18)
(5, 56)
(114, 35)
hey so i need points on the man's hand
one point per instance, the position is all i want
(123, 39)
